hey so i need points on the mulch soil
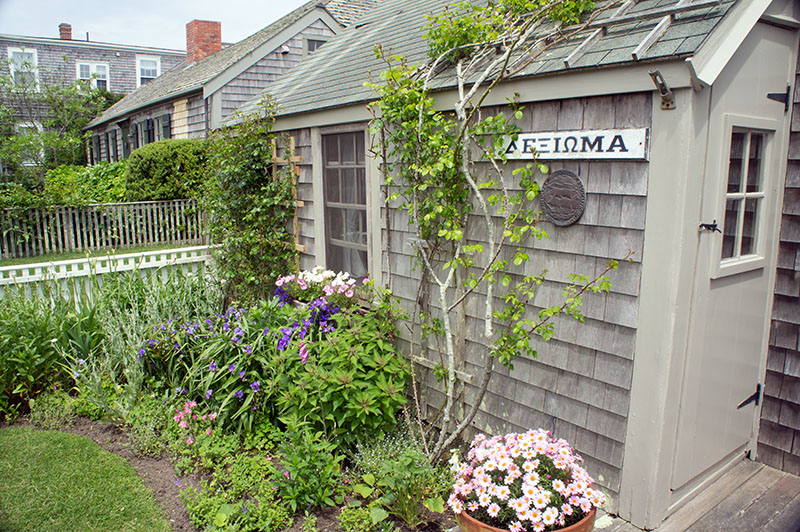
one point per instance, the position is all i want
(159, 475)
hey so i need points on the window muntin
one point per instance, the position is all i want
(148, 68)
(95, 74)
(23, 65)
(345, 203)
(744, 196)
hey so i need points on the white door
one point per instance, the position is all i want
(729, 328)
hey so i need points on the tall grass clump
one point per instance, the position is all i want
(130, 307)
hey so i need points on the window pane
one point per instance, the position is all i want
(735, 166)
(353, 261)
(331, 149)
(102, 84)
(348, 149)
(361, 186)
(754, 164)
(349, 185)
(352, 225)
(729, 231)
(84, 71)
(750, 226)
(332, 185)
(314, 44)
(148, 68)
(335, 223)
(101, 72)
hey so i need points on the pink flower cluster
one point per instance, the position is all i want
(524, 482)
(185, 416)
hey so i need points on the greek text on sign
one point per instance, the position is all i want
(582, 144)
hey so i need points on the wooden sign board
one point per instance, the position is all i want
(581, 144)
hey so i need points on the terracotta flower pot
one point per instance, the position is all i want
(468, 524)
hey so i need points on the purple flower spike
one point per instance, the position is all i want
(208, 393)
(255, 386)
(212, 366)
(232, 368)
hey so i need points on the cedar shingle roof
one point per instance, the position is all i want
(186, 78)
(334, 76)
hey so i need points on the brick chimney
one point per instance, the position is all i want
(65, 31)
(203, 38)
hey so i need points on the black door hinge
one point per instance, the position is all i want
(784, 97)
(755, 397)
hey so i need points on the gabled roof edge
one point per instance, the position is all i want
(706, 65)
(217, 82)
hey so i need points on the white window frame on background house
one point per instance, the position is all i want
(94, 74)
(34, 64)
(139, 60)
(327, 204)
(738, 252)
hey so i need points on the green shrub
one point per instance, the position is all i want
(78, 185)
(167, 169)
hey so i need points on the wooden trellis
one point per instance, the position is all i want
(295, 173)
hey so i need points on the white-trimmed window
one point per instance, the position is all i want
(95, 74)
(23, 64)
(345, 203)
(148, 67)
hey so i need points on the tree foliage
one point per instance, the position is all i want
(474, 213)
(41, 117)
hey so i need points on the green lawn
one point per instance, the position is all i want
(55, 481)
(53, 257)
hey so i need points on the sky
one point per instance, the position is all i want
(155, 23)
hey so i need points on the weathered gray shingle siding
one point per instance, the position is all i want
(579, 386)
(256, 78)
(779, 437)
(57, 63)
(196, 106)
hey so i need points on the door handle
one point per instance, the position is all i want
(711, 227)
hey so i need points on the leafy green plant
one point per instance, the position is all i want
(78, 185)
(309, 523)
(311, 470)
(250, 208)
(397, 476)
(355, 519)
(347, 383)
(52, 410)
(167, 169)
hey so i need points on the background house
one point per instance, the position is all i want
(660, 389)
(200, 94)
(116, 68)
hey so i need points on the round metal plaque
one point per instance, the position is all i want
(563, 198)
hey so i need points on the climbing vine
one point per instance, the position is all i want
(474, 215)
(250, 206)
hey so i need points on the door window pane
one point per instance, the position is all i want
(750, 226)
(735, 166)
(754, 164)
(729, 232)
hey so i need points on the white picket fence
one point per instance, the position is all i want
(40, 231)
(92, 269)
